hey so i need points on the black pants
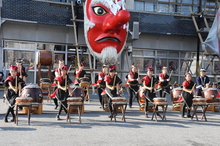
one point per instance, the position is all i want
(111, 93)
(10, 110)
(62, 96)
(55, 102)
(187, 101)
(11, 96)
(132, 90)
(163, 91)
(150, 96)
(61, 107)
(55, 99)
(99, 95)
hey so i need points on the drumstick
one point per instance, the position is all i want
(193, 87)
(66, 83)
(151, 84)
(170, 74)
(16, 83)
(114, 81)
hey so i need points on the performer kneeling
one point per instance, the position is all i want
(202, 82)
(188, 89)
(63, 85)
(112, 87)
(14, 83)
(150, 86)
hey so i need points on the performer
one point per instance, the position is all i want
(63, 85)
(112, 87)
(202, 82)
(14, 84)
(188, 90)
(101, 83)
(79, 73)
(57, 74)
(1, 78)
(163, 83)
(22, 70)
(150, 86)
(133, 79)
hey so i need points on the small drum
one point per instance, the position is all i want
(45, 83)
(75, 100)
(141, 96)
(210, 94)
(33, 91)
(73, 86)
(199, 100)
(158, 99)
(176, 92)
(119, 100)
(45, 80)
(45, 57)
(24, 100)
(84, 82)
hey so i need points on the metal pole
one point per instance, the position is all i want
(198, 40)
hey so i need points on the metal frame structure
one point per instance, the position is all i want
(203, 15)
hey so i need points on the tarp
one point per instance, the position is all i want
(212, 43)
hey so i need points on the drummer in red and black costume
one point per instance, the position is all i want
(163, 82)
(112, 87)
(63, 85)
(202, 82)
(57, 74)
(22, 70)
(133, 79)
(101, 83)
(12, 91)
(187, 94)
(79, 73)
(149, 83)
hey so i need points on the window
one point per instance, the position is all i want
(18, 45)
(139, 6)
(170, 6)
(10, 56)
(151, 7)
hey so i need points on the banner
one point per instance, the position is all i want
(212, 42)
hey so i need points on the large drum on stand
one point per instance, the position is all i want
(45, 57)
(175, 94)
(210, 94)
(35, 92)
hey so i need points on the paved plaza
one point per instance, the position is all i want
(97, 129)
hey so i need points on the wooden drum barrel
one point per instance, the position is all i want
(199, 100)
(175, 94)
(119, 100)
(210, 94)
(24, 100)
(160, 100)
(75, 100)
(84, 82)
(45, 57)
(33, 91)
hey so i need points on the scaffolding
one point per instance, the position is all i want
(206, 16)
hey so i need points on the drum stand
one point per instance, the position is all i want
(79, 107)
(204, 107)
(17, 105)
(163, 105)
(115, 105)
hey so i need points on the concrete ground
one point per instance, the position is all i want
(97, 129)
